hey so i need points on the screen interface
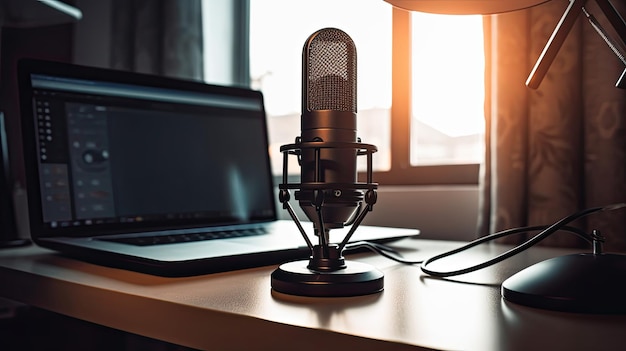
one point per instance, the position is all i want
(113, 153)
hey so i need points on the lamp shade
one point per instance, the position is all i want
(464, 7)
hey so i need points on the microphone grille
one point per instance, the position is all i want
(329, 62)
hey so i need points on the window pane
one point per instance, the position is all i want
(218, 38)
(447, 125)
(278, 31)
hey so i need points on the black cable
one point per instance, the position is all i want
(514, 251)
(380, 249)
(546, 231)
(394, 255)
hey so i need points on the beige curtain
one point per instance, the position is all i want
(162, 37)
(560, 148)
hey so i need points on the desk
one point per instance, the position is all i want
(238, 311)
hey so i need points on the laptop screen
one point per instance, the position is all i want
(114, 151)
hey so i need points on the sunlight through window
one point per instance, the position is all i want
(447, 125)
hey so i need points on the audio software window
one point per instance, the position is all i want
(447, 78)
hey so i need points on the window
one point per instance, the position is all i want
(403, 171)
(400, 105)
(448, 90)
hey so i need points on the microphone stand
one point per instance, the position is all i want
(326, 273)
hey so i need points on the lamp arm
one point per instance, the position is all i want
(614, 18)
(620, 27)
(555, 42)
(563, 28)
(613, 45)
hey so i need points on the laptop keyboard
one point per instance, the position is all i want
(187, 237)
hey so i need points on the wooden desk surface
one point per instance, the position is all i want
(238, 310)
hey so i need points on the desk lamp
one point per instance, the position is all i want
(586, 283)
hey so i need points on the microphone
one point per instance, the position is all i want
(329, 115)
(329, 193)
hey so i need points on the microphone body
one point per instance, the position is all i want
(329, 116)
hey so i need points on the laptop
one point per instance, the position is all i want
(158, 175)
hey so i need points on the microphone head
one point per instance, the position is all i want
(329, 72)
(329, 115)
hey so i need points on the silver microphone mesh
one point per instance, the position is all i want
(330, 71)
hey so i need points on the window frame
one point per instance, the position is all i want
(401, 171)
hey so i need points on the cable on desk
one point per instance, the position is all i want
(545, 231)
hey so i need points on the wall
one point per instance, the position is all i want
(92, 39)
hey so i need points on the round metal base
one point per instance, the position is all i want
(294, 278)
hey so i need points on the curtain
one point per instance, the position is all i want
(558, 149)
(162, 37)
